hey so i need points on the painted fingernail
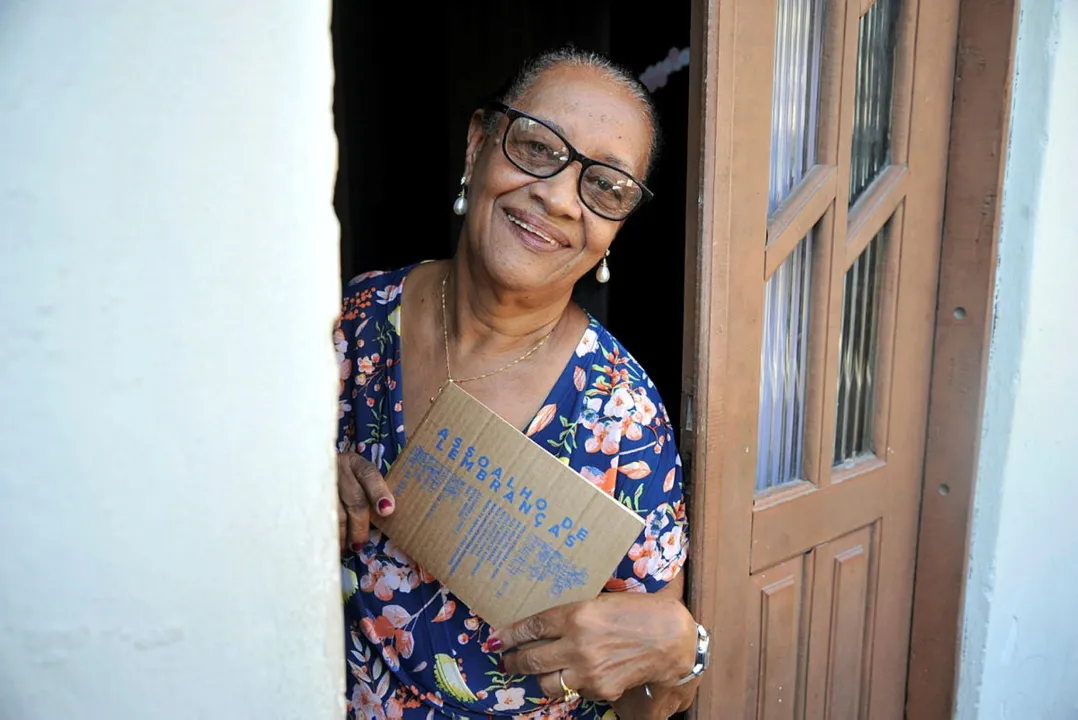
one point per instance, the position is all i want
(357, 547)
(494, 644)
(501, 666)
(384, 506)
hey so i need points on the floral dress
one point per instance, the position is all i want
(414, 650)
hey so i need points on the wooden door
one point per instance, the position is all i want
(814, 242)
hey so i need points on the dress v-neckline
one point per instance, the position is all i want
(396, 411)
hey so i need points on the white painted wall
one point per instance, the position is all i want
(168, 281)
(1019, 657)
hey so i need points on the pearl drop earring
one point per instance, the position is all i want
(460, 205)
(603, 273)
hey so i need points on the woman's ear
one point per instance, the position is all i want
(477, 135)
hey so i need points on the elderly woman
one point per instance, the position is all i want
(551, 173)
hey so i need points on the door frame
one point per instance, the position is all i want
(717, 417)
(980, 123)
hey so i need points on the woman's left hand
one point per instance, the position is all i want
(602, 648)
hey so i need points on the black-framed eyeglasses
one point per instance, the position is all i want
(539, 150)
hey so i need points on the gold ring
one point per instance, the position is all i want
(568, 694)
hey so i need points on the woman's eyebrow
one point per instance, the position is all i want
(560, 130)
(608, 159)
(616, 162)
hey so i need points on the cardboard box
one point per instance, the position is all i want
(506, 526)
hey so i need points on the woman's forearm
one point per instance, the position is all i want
(666, 699)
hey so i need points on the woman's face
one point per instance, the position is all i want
(602, 121)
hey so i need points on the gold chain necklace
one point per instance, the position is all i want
(445, 332)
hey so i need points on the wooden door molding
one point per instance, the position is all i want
(977, 154)
(718, 407)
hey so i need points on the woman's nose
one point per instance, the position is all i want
(559, 193)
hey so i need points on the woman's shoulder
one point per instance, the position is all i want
(613, 368)
(622, 437)
(378, 287)
(624, 444)
(373, 295)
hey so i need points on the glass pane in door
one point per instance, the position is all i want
(861, 296)
(795, 94)
(876, 38)
(783, 377)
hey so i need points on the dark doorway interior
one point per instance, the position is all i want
(407, 83)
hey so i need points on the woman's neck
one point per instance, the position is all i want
(487, 320)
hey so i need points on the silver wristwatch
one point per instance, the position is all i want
(703, 655)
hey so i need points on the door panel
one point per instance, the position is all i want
(823, 126)
(776, 605)
(840, 639)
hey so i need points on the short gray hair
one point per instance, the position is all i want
(536, 65)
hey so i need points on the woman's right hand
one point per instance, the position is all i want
(360, 488)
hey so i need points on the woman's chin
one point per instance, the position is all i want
(528, 276)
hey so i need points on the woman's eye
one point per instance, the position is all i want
(538, 148)
(606, 186)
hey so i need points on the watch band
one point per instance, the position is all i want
(703, 655)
